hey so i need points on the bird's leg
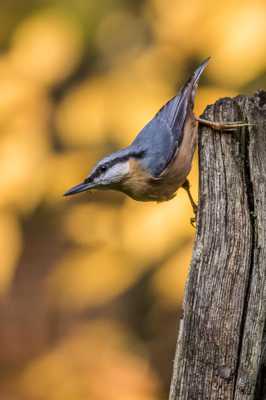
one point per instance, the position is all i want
(186, 186)
(220, 126)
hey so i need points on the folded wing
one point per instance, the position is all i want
(164, 133)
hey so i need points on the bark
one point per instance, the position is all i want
(221, 336)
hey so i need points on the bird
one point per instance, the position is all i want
(156, 164)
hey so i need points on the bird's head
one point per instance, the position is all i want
(108, 173)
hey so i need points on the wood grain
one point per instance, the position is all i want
(220, 340)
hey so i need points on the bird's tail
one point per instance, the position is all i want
(175, 112)
(189, 89)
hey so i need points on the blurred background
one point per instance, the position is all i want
(91, 287)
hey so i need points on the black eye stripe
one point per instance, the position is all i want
(102, 168)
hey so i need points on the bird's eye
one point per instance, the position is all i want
(103, 168)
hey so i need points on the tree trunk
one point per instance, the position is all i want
(221, 337)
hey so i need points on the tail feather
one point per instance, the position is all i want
(174, 112)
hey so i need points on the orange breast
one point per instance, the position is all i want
(180, 166)
(138, 183)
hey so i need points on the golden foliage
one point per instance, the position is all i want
(76, 282)
(46, 47)
(85, 365)
(71, 92)
(169, 282)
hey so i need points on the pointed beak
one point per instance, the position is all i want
(82, 187)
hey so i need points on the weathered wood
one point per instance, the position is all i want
(220, 338)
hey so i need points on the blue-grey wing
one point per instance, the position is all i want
(162, 136)
(157, 142)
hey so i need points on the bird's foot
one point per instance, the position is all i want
(193, 222)
(194, 219)
(223, 126)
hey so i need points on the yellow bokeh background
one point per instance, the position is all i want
(91, 287)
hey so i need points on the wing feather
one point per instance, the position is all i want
(163, 135)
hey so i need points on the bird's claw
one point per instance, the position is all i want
(223, 126)
(193, 222)
(194, 219)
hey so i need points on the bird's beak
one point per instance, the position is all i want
(82, 187)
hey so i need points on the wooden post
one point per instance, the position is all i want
(220, 343)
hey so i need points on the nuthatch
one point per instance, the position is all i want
(158, 161)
